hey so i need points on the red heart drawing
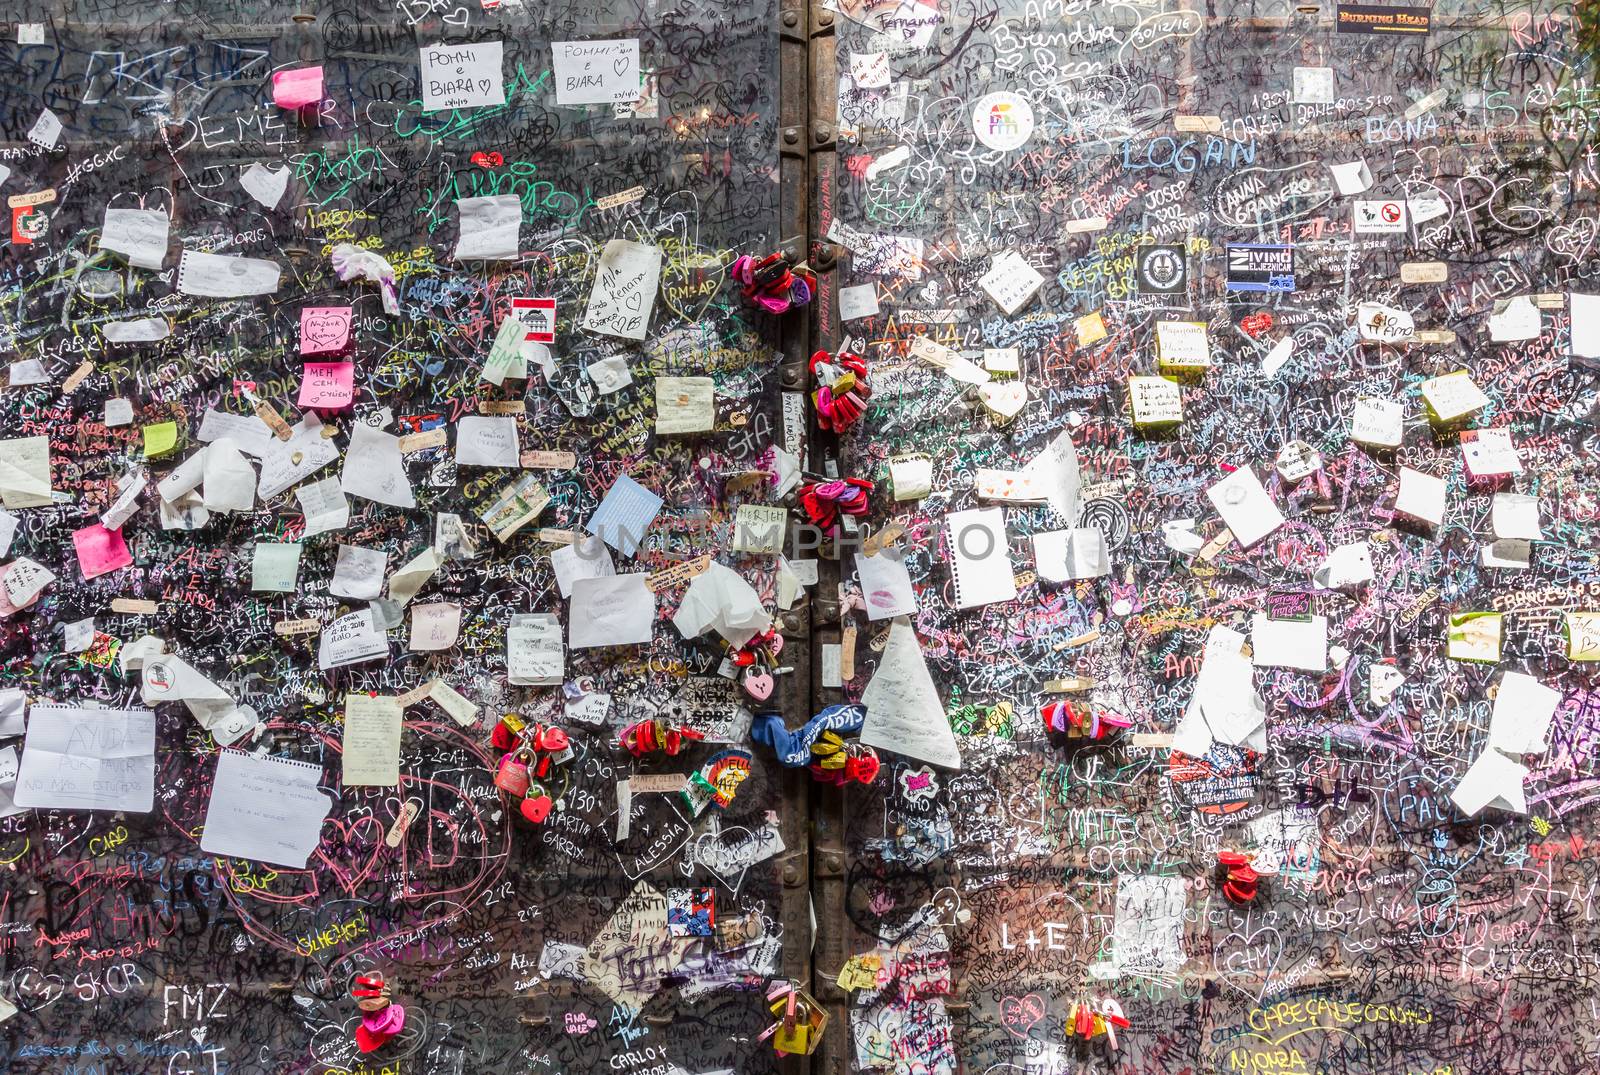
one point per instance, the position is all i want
(1255, 324)
(1020, 1014)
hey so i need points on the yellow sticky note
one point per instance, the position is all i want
(1091, 328)
(160, 439)
(1474, 636)
(860, 972)
(1583, 636)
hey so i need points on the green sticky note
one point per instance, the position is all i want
(160, 439)
(274, 567)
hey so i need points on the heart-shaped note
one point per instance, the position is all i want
(1004, 399)
(1020, 1014)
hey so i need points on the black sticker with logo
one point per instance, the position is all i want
(1161, 270)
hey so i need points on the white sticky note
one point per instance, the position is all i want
(1378, 422)
(858, 301)
(485, 441)
(436, 626)
(1507, 554)
(1521, 718)
(489, 228)
(119, 412)
(1517, 319)
(1453, 396)
(1516, 515)
(624, 292)
(586, 558)
(596, 72)
(870, 70)
(463, 76)
(1421, 497)
(1585, 325)
(1491, 453)
(1065, 555)
(1345, 565)
(140, 234)
(274, 567)
(614, 610)
(1352, 177)
(358, 573)
(1313, 86)
(1301, 644)
(1247, 508)
(1492, 780)
(1010, 282)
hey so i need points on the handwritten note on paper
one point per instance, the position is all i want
(487, 442)
(634, 950)
(434, 626)
(328, 385)
(904, 713)
(371, 743)
(624, 515)
(324, 330)
(489, 228)
(140, 234)
(624, 292)
(596, 72)
(265, 809)
(25, 472)
(88, 759)
(612, 610)
(1010, 282)
(685, 405)
(463, 76)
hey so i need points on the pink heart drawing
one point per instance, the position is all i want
(350, 873)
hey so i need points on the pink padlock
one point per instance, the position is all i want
(512, 776)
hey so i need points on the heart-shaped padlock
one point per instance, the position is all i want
(757, 683)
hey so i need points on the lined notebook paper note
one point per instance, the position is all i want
(979, 561)
(265, 809)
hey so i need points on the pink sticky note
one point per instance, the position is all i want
(297, 88)
(328, 385)
(324, 330)
(100, 550)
